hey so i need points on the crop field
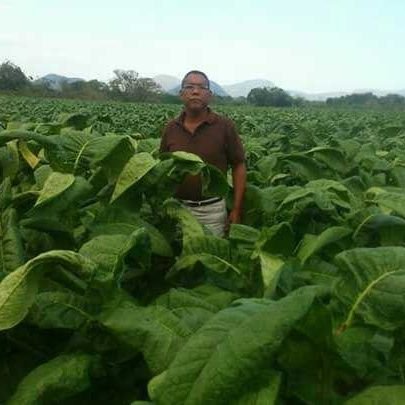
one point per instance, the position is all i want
(112, 293)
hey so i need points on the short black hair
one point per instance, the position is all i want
(195, 72)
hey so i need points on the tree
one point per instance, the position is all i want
(355, 99)
(127, 85)
(257, 96)
(12, 77)
(91, 90)
(267, 96)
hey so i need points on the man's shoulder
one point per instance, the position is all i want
(171, 124)
(222, 119)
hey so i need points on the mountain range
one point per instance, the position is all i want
(55, 82)
(171, 85)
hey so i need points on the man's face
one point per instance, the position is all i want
(195, 92)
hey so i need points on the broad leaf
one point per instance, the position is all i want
(59, 309)
(137, 167)
(192, 307)
(19, 288)
(60, 378)
(394, 202)
(110, 251)
(263, 391)
(311, 244)
(124, 222)
(270, 267)
(380, 395)
(55, 185)
(218, 363)
(155, 331)
(190, 226)
(11, 245)
(371, 286)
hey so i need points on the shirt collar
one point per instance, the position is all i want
(210, 119)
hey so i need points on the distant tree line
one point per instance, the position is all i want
(273, 97)
(367, 100)
(125, 86)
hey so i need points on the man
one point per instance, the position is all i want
(212, 137)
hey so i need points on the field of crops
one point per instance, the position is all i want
(111, 293)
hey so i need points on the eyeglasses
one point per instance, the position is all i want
(191, 87)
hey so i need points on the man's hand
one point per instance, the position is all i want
(239, 185)
(234, 217)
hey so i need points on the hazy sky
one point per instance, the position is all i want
(311, 45)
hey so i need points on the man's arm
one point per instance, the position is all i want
(239, 187)
(163, 140)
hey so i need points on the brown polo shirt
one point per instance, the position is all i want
(215, 141)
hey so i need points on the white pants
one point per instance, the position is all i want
(213, 216)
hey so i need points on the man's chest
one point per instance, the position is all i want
(209, 145)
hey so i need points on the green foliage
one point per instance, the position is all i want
(367, 99)
(273, 96)
(128, 86)
(112, 292)
(12, 77)
(60, 378)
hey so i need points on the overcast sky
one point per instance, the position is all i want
(311, 45)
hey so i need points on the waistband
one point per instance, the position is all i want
(191, 203)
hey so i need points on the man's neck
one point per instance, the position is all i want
(196, 116)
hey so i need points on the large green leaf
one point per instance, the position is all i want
(62, 197)
(398, 174)
(270, 267)
(9, 135)
(389, 228)
(59, 379)
(220, 361)
(192, 307)
(110, 251)
(59, 212)
(366, 351)
(59, 309)
(243, 233)
(325, 193)
(380, 395)
(220, 264)
(393, 202)
(11, 246)
(331, 157)
(371, 286)
(190, 226)
(214, 182)
(17, 293)
(19, 288)
(277, 240)
(118, 221)
(9, 160)
(136, 168)
(6, 194)
(55, 185)
(263, 391)
(75, 120)
(303, 166)
(79, 151)
(311, 244)
(155, 331)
